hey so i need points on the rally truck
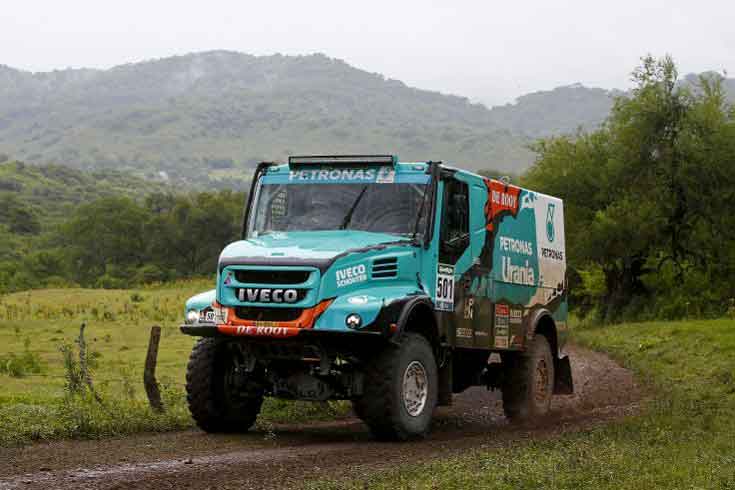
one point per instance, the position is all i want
(390, 284)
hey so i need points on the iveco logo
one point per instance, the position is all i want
(262, 295)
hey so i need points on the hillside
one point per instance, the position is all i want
(206, 119)
(562, 110)
(226, 111)
(32, 196)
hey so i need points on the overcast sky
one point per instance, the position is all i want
(486, 50)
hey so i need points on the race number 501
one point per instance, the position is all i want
(445, 287)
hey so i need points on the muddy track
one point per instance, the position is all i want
(289, 455)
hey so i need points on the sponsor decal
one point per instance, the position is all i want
(351, 275)
(550, 253)
(469, 308)
(550, 232)
(502, 329)
(267, 295)
(270, 331)
(357, 300)
(517, 274)
(279, 205)
(464, 332)
(508, 244)
(516, 316)
(340, 174)
(502, 200)
(386, 175)
(444, 287)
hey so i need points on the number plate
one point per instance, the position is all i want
(445, 287)
(218, 315)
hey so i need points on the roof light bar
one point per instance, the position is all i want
(342, 160)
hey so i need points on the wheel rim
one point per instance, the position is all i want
(542, 381)
(415, 388)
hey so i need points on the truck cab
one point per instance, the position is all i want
(386, 283)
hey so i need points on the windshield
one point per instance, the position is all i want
(376, 207)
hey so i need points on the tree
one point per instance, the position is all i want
(651, 189)
(190, 234)
(18, 217)
(108, 233)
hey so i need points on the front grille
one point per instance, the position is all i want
(260, 276)
(267, 314)
(385, 268)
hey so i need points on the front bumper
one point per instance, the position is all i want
(263, 332)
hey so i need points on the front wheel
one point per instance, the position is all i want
(529, 382)
(221, 396)
(401, 389)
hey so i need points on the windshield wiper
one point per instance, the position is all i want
(348, 216)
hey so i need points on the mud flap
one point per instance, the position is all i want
(563, 384)
(445, 383)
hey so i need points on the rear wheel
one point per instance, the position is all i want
(221, 396)
(401, 389)
(529, 381)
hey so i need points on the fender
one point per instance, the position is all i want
(409, 304)
(535, 317)
(428, 328)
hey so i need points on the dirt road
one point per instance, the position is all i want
(288, 455)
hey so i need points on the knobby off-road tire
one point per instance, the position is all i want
(214, 403)
(401, 389)
(529, 382)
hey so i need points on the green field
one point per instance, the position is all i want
(34, 325)
(684, 439)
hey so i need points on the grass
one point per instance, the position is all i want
(684, 439)
(34, 325)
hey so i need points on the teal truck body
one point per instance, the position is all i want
(386, 283)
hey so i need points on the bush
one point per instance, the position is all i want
(18, 366)
(149, 273)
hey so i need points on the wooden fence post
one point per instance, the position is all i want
(83, 363)
(149, 374)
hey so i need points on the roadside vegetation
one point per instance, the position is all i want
(685, 437)
(648, 201)
(43, 395)
(66, 228)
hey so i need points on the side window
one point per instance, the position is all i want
(455, 229)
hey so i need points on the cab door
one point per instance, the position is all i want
(454, 260)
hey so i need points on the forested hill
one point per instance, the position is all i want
(562, 110)
(207, 118)
(32, 197)
(226, 111)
